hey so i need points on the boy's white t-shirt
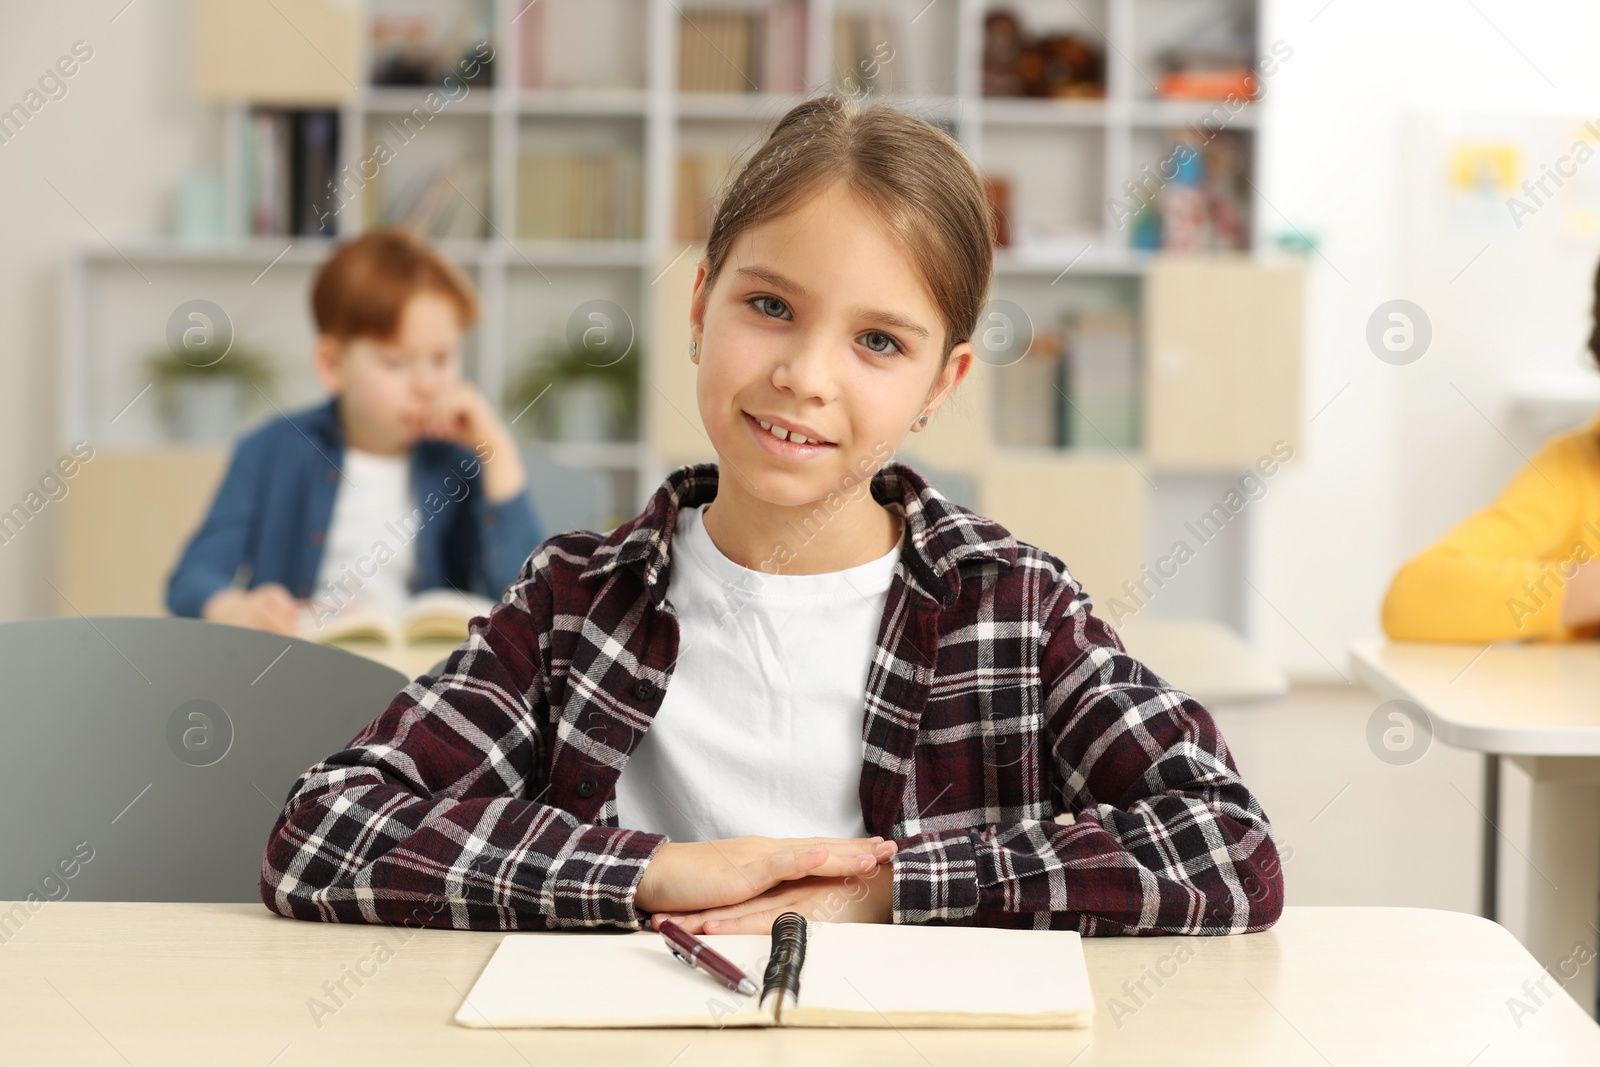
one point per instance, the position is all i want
(759, 731)
(374, 495)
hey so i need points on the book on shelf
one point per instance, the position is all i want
(433, 615)
(448, 201)
(727, 51)
(700, 179)
(1102, 380)
(1027, 396)
(866, 45)
(290, 159)
(580, 195)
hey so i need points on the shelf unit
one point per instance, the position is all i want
(1066, 157)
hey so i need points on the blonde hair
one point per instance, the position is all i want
(911, 174)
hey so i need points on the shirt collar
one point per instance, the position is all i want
(939, 535)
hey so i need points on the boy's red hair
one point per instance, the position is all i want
(365, 285)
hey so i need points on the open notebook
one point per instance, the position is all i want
(849, 975)
(434, 615)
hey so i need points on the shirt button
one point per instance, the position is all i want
(644, 689)
(305, 591)
(587, 786)
(317, 537)
(333, 476)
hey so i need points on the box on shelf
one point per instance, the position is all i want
(1017, 62)
(423, 47)
(546, 34)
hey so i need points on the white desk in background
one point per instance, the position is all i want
(175, 984)
(1205, 659)
(1537, 704)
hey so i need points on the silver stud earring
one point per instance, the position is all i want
(694, 346)
(922, 422)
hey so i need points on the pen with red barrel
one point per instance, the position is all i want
(694, 952)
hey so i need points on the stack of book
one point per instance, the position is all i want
(290, 161)
(726, 51)
(580, 195)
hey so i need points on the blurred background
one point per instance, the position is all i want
(1209, 210)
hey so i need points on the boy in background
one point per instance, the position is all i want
(404, 480)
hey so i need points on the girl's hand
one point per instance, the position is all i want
(865, 898)
(699, 875)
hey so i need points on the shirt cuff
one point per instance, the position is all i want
(595, 878)
(936, 879)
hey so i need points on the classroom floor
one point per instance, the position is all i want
(1356, 830)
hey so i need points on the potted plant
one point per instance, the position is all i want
(579, 392)
(204, 394)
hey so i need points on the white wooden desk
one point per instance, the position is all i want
(1205, 659)
(175, 984)
(1539, 705)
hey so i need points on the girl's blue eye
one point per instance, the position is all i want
(756, 302)
(894, 346)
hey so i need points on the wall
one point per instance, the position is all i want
(1394, 456)
(101, 163)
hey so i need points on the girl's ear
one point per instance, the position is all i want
(955, 369)
(327, 359)
(697, 301)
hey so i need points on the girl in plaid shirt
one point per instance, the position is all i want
(801, 679)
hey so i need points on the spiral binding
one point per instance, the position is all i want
(787, 957)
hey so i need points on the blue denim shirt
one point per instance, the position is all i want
(272, 513)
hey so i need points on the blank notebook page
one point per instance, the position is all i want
(932, 970)
(578, 980)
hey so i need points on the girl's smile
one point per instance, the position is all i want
(785, 440)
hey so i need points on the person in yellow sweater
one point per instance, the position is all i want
(1525, 568)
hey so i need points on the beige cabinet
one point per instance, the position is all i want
(126, 521)
(277, 51)
(1222, 351)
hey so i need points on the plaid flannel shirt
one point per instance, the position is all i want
(995, 701)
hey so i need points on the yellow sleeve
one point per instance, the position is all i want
(1501, 574)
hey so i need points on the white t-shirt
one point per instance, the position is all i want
(372, 505)
(760, 728)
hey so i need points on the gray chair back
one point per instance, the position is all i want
(145, 759)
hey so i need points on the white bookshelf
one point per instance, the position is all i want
(1066, 158)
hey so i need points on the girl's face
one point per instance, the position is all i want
(818, 326)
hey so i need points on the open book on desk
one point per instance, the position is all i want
(434, 615)
(846, 975)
